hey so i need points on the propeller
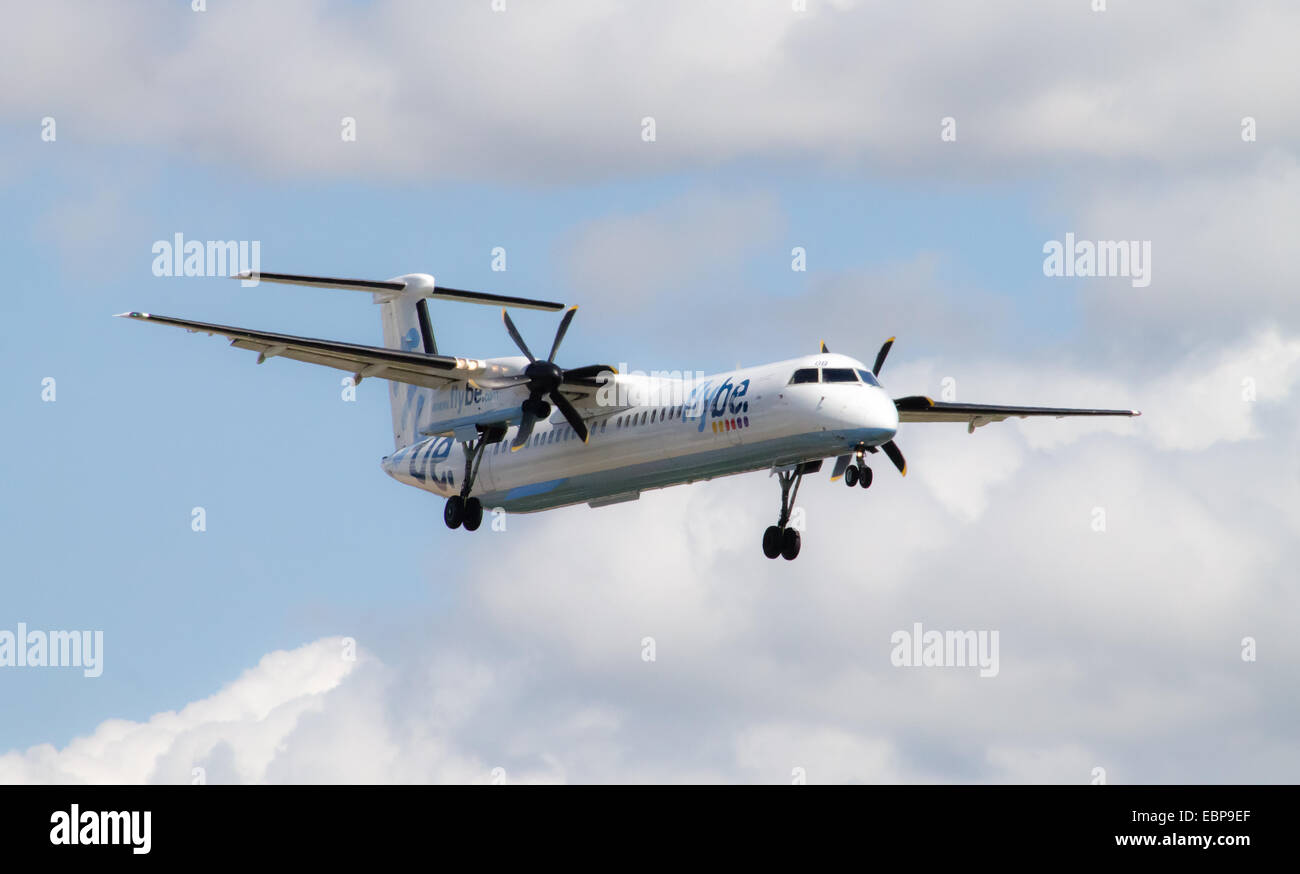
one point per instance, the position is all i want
(896, 456)
(891, 448)
(544, 380)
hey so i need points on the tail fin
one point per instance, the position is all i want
(407, 327)
(404, 310)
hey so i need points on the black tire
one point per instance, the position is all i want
(772, 542)
(851, 475)
(865, 479)
(454, 512)
(790, 543)
(473, 514)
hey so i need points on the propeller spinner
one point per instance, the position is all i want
(544, 380)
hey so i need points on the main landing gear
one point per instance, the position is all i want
(778, 539)
(462, 510)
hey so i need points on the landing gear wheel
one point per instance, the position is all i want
(864, 479)
(790, 542)
(473, 514)
(772, 542)
(454, 512)
(851, 475)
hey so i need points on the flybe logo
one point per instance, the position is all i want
(710, 403)
(424, 457)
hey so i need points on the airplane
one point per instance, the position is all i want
(521, 434)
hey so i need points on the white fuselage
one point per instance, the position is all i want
(744, 420)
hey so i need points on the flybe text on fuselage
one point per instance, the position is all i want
(726, 398)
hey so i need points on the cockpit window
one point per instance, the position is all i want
(804, 374)
(868, 377)
(839, 374)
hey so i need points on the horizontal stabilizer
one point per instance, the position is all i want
(417, 284)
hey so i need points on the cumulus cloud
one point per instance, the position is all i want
(241, 728)
(1120, 644)
(654, 260)
(1218, 242)
(550, 91)
(1119, 647)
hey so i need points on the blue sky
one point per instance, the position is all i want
(149, 423)
(306, 539)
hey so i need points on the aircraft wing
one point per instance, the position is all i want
(919, 408)
(416, 368)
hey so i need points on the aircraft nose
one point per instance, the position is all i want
(877, 411)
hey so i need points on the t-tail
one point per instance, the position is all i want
(404, 311)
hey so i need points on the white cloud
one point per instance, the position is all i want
(550, 91)
(1118, 648)
(1219, 242)
(653, 261)
(251, 717)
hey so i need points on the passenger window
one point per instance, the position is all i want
(804, 374)
(839, 374)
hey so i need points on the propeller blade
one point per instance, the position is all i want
(841, 465)
(880, 358)
(570, 414)
(559, 335)
(825, 348)
(525, 431)
(514, 335)
(896, 456)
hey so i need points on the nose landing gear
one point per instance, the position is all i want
(855, 475)
(858, 474)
